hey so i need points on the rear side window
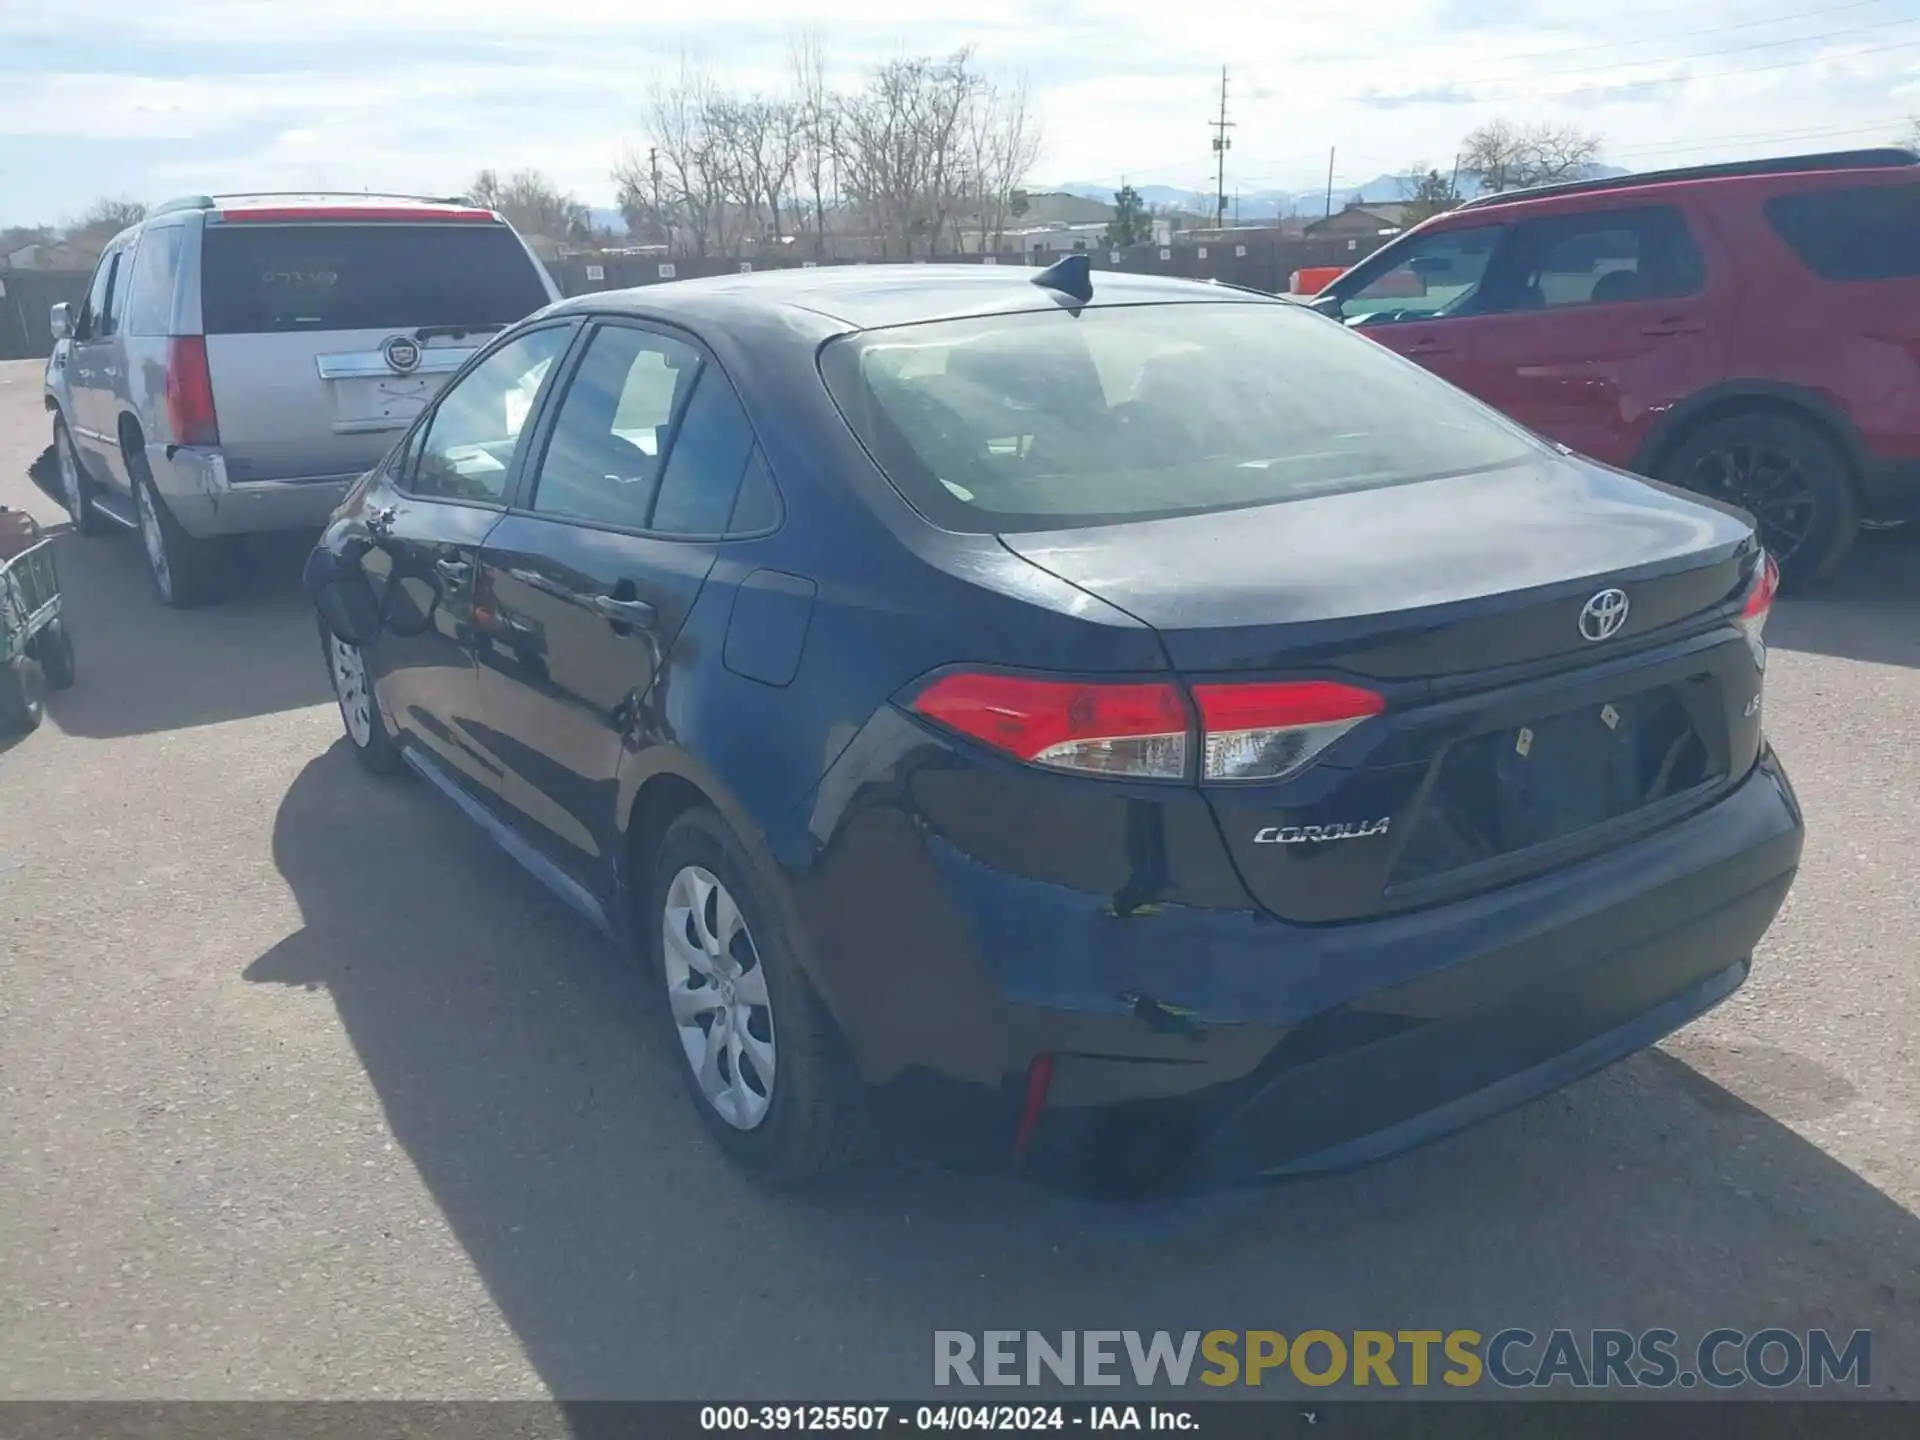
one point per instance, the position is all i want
(1055, 419)
(1595, 258)
(150, 298)
(1869, 233)
(709, 455)
(265, 279)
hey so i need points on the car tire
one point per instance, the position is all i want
(360, 717)
(1795, 482)
(185, 571)
(790, 1108)
(20, 709)
(76, 486)
(53, 648)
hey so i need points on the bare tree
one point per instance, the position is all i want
(817, 119)
(533, 204)
(1505, 156)
(103, 220)
(1003, 141)
(686, 179)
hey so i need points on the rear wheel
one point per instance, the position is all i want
(53, 648)
(1797, 486)
(185, 571)
(19, 706)
(762, 1062)
(76, 486)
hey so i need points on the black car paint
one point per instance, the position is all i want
(959, 913)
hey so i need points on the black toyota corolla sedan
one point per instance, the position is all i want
(1129, 729)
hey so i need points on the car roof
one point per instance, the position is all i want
(865, 297)
(1881, 161)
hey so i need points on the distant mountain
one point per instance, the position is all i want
(1259, 205)
(609, 220)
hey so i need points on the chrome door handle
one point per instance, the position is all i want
(637, 613)
(454, 572)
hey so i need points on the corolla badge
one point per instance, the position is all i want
(1310, 834)
(1603, 615)
(402, 354)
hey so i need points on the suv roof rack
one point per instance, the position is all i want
(209, 202)
(1883, 158)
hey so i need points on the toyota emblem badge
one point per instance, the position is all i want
(1603, 615)
(402, 354)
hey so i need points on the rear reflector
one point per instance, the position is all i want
(189, 390)
(1267, 732)
(1137, 730)
(281, 214)
(1264, 731)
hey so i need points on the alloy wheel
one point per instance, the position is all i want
(717, 989)
(351, 689)
(154, 541)
(1769, 484)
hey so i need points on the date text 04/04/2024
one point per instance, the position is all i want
(990, 1419)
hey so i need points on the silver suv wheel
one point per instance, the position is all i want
(154, 540)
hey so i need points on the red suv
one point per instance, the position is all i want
(1748, 331)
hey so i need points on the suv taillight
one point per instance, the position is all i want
(1263, 731)
(190, 392)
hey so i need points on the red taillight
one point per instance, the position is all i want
(190, 392)
(1267, 732)
(1264, 731)
(1124, 729)
(1753, 615)
(282, 214)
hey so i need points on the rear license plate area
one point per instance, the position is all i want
(1510, 790)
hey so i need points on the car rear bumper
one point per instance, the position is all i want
(1192, 1045)
(207, 502)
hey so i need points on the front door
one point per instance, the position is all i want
(92, 366)
(1597, 324)
(1420, 298)
(446, 491)
(586, 583)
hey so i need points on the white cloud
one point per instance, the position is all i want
(419, 93)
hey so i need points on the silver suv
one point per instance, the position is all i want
(239, 360)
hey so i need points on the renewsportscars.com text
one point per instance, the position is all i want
(1514, 1358)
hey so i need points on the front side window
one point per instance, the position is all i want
(470, 440)
(1594, 259)
(88, 325)
(1865, 233)
(1435, 276)
(1048, 419)
(116, 300)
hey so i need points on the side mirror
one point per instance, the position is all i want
(60, 318)
(342, 594)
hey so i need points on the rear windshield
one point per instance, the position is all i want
(259, 279)
(1047, 419)
(1869, 233)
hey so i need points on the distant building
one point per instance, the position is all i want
(1360, 220)
(1056, 239)
(42, 256)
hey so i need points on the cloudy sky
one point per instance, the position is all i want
(150, 98)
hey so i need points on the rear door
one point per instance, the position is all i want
(1595, 324)
(447, 490)
(1421, 299)
(326, 337)
(585, 584)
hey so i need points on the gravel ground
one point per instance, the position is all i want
(306, 1092)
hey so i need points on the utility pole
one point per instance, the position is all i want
(653, 164)
(1330, 150)
(1221, 144)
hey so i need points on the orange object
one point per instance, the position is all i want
(1312, 279)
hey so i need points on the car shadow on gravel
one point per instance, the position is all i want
(524, 1069)
(1869, 609)
(144, 668)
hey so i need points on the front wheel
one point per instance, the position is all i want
(1797, 486)
(359, 711)
(763, 1064)
(76, 486)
